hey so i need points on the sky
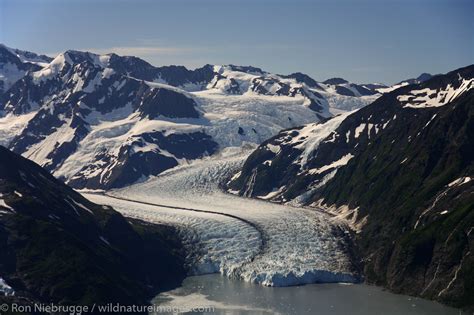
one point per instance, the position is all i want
(360, 40)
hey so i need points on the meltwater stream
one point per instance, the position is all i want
(216, 294)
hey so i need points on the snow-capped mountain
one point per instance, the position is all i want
(420, 79)
(318, 149)
(14, 64)
(342, 95)
(343, 87)
(101, 121)
(400, 170)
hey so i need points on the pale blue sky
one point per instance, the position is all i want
(360, 40)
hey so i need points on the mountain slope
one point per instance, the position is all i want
(426, 184)
(59, 247)
(399, 170)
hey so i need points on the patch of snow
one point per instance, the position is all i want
(5, 289)
(274, 148)
(392, 88)
(12, 125)
(272, 194)
(456, 272)
(359, 130)
(343, 213)
(4, 204)
(9, 74)
(107, 73)
(333, 137)
(440, 195)
(425, 98)
(369, 129)
(80, 205)
(434, 116)
(103, 239)
(53, 217)
(52, 69)
(310, 136)
(336, 164)
(237, 175)
(460, 181)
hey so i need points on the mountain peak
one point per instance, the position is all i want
(247, 69)
(303, 78)
(76, 56)
(26, 56)
(424, 77)
(335, 81)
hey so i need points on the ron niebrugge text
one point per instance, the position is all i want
(104, 308)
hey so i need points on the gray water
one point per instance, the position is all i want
(215, 294)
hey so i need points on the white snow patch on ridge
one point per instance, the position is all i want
(336, 164)
(359, 130)
(460, 181)
(311, 135)
(392, 88)
(52, 69)
(425, 98)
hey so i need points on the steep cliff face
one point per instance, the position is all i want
(401, 171)
(59, 247)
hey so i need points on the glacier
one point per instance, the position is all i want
(242, 238)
